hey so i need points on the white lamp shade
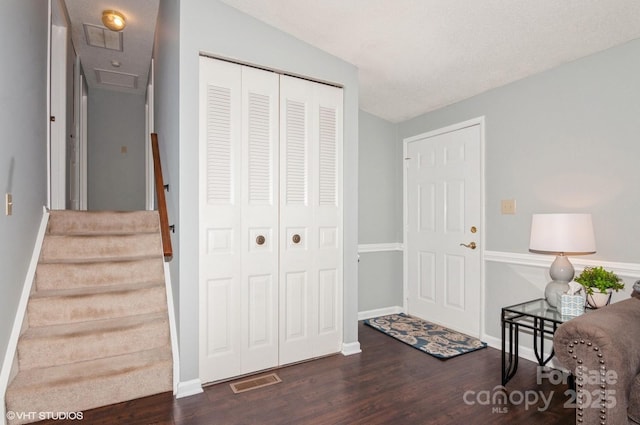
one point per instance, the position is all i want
(562, 233)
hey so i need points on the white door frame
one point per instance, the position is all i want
(150, 128)
(405, 213)
(79, 172)
(82, 141)
(57, 90)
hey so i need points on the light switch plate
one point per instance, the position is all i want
(508, 206)
(8, 204)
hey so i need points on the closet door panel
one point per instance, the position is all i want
(259, 182)
(310, 216)
(328, 219)
(297, 277)
(220, 220)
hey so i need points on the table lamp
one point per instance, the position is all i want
(562, 235)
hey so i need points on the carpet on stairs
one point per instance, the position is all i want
(97, 327)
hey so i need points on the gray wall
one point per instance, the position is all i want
(214, 28)
(379, 181)
(565, 140)
(166, 120)
(115, 180)
(23, 103)
(379, 212)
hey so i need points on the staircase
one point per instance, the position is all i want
(97, 328)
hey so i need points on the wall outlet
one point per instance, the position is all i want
(508, 206)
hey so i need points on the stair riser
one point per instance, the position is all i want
(82, 308)
(101, 223)
(69, 276)
(53, 351)
(107, 248)
(78, 394)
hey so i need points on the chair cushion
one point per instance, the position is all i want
(634, 401)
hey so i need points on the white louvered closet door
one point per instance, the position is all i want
(310, 219)
(238, 220)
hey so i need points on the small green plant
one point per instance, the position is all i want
(593, 278)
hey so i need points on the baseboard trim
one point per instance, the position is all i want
(189, 388)
(351, 348)
(523, 352)
(12, 346)
(631, 270)
(396, 309)
(380, 247)
(175, 352)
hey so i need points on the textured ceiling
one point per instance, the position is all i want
(415, 56)
(137, 37)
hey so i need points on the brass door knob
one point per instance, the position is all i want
(260, 240)
(296, 238)
(471, 245)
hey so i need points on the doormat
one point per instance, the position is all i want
(255, 383)
(436, 340)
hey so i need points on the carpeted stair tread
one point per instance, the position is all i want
(86, 385)
(51, 276)
(47, 346)
(78, 249)
(102, 222)
(83, 304)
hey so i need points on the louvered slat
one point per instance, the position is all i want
(218, 145)
(327, 167)
(260, 155)
(296, 169)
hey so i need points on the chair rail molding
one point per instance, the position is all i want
(380, 247)
(630, 270)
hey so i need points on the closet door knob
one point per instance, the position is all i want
(260, 240)
(296, 238)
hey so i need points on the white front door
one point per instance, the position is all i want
(443, 214)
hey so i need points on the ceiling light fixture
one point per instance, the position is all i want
(113, 20)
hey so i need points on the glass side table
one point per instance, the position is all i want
(536, 315)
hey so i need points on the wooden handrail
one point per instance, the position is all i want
(162, 202)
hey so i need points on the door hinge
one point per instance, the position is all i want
(52, 118)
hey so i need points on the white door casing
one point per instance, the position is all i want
(443, 203)
(311, 220)
(58, 112)
(148, 154)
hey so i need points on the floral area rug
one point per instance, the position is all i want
(440, 342)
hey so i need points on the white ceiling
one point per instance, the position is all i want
(138, 38)
(415, 56)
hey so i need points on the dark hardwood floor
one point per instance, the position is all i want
(388, 383)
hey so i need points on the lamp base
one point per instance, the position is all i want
(553, 289)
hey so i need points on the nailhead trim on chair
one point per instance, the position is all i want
(580, 381)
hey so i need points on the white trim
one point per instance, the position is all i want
(12, 346)
(172, 329)
(631, 270)
(48, 126)
(405, 284)
(189, 388)
(525, 353)
(396, 309)
(83, 141)
(351, 348)
(58, 150)
(150, 128)
(380, 247)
